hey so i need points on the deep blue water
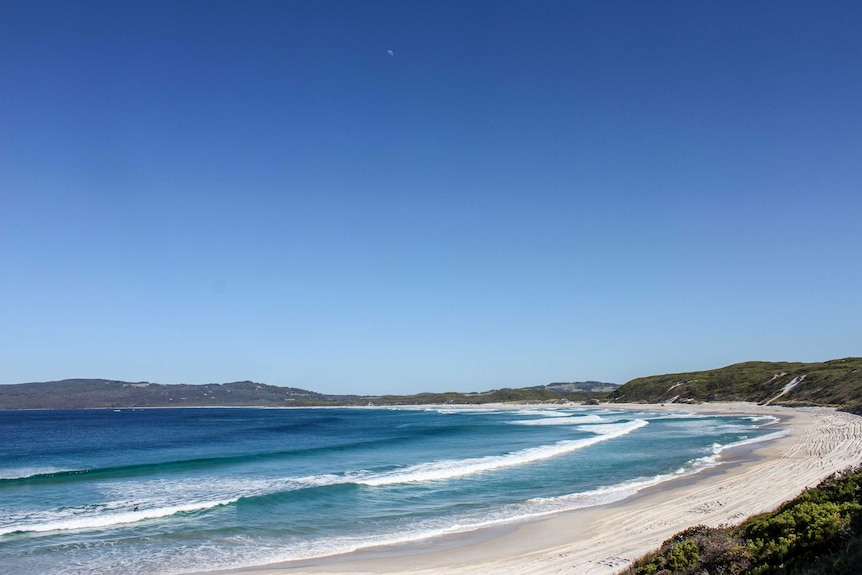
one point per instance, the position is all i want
(177, 490)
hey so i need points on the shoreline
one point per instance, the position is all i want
(602, 540)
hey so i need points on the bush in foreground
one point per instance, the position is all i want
(817, 533)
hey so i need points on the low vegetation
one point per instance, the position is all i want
(817, 533)
(543, 394)
(836, 383)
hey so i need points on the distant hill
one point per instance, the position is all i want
(833, 383)
(581, 387)
(81, 393)
(106, 393)
(552, 392)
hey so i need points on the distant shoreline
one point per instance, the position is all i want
(603, 540)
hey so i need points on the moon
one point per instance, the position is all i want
(390, 52)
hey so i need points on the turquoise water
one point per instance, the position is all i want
(179, 490)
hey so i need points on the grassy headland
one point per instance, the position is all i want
(835, 383)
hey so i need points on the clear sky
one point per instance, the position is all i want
(406, 196)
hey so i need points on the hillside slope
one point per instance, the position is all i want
(832, 383)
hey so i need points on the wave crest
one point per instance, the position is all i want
(453, 469)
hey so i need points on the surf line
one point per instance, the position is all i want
(452, 469)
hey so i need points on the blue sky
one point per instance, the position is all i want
(519, 193)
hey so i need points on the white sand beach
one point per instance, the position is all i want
(604, 540)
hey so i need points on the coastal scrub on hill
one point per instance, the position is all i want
(835, 383)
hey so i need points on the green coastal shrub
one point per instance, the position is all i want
(683, 555)
(804, 529)
(817, 533)
(680, 552)
(820, 527)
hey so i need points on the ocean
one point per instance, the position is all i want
(170, 491)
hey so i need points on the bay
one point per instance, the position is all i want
(148, 491)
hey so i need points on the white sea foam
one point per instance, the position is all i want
(660, 415)
(622, 490)
(559, 420)
(543, 412)
(763, 420)
(602, 495)
(452, 469)
(100, 521)
(753, 440)
(165, 497)
(27, 472)
(164, 493)
(614, 429)
(157, 499)
(461, 410)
